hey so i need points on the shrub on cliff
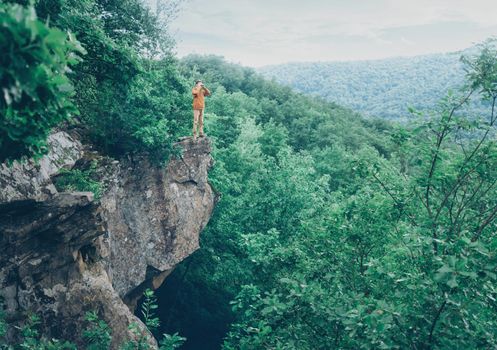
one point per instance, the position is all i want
(128, 90)
(36, 93)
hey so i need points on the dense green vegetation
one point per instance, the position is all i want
(333, 231)
(266, 140)
(128, 93)
(80, 180)
(382, 88)
(36, 92)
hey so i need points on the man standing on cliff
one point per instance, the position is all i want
(198, 92)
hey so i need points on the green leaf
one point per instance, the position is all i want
(452, 283)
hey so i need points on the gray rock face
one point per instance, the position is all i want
(64, 254)
(153, 216)
(31, 179)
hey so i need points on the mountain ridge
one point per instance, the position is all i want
(382, 88)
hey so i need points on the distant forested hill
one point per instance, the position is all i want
(383, 88)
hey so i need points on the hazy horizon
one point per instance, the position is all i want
(366, 59)
(258, 33)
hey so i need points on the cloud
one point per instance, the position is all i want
(261, 32)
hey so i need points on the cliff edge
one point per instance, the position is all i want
(65, 253)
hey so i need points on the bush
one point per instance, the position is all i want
(80, 180)
(31, 339)
(36, 93)
(171, 342)
(98, 335)
(156, 110)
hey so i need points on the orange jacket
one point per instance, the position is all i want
(198, 97)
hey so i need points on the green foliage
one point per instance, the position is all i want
(482, 69)
(157, 111)
(147, 309)
(31, 340)
(338, 233)
(36, 93)
(140, 342)
(310, 122)
(129, 93)
(273, 194)
(80, 180)
(403, 261)
(3, 327)
(98, 334)
(171, 342)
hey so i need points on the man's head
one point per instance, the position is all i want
(198, 83)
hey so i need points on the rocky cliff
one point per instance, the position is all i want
(65, 253)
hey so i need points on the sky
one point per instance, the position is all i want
(263, 32)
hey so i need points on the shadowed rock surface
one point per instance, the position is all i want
(64, 254)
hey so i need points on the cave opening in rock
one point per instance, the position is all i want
(191, 308)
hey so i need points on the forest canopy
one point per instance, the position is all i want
(336, 232)
(383, 88)
(126, 92)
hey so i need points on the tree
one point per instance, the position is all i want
(406, 260)
(36, 93)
